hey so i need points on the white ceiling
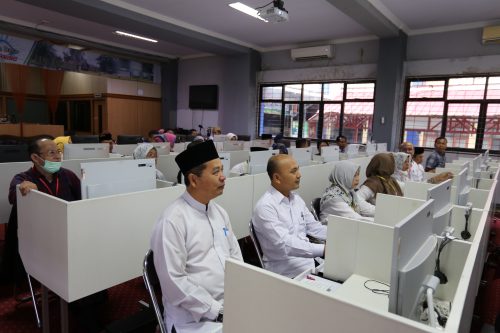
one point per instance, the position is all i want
(191, 27)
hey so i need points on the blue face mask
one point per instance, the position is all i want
(51, 167)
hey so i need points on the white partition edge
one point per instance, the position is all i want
(256, 300)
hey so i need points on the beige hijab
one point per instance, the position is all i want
(378, 174)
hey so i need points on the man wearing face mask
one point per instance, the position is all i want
(46, 176)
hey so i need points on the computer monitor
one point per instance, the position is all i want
(303, 156)
(462, 188)
(244, 137)
(257, 161)
(381, 147)
(261, 143)
(232, 145)
(74, 151)
(413, 261)
(14, 153)
(352, 149)
(129, 139)
(125, 150)
(225, 158)
(371, 149)
(441, 193)
(330, 153)
(85, 139)
(114, 177)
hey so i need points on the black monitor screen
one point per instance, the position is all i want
(14, 153)
(204, 97)
(129, 139)
(85, 139)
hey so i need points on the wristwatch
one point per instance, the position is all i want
(220, 316)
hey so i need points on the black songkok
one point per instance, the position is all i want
(196, 155)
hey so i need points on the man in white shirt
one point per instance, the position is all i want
(416, 172)
(282, 222)
(191, 241)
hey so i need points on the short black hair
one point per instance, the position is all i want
(440, 138)
(301, 143)
(318, 144)
(340, 137)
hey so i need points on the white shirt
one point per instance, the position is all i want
(240, 168)
(282, 225)
(417, 172)
(337, 206)
(191, 242)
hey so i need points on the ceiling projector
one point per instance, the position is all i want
(275, 13)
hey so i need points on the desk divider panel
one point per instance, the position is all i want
(314, 181)
(357, 247)
(452, 262)
(417, 190)
(166, 164)
(478, 198)
(81, 247)
(74, 165)
(237, 157)
(484, 183)
(458, 221)
(237, 200)
(261, 184)
(256, 300)
(391, 209)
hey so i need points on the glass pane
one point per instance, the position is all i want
(461, 125)
(270, 118)
(292, 92)
(358, 117)
(423, 122)
(291, 128)
(272, 92)
(360, 90)
(310, 121)
(331, 121)
(494, 88)
(426, 89)
(333, 91)
(466, 88)
(492, 130)
(312, 92)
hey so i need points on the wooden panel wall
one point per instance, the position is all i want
(132, 116)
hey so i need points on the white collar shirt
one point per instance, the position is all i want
(191, 242)
(416, 172)
(282, 225)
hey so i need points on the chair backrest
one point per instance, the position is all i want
(256, 244)
(315, 208)
(153, 287)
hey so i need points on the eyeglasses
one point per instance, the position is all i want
(51, 153)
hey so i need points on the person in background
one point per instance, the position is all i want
(162, 136)
(191, 242)
(231, 137)
(282, 222)
(379, 178)
(402, 163)
(417, 172)
(193, 132)
(147, 150)
(340, 197)
(341, 141)
(437, 159)
(321, 143)
(278, 144)
(106, 137)
(216, 131)
(60, 141)
(302, 143)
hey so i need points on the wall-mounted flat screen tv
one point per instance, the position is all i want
(205, 97)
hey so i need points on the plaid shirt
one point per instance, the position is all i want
(435, 160)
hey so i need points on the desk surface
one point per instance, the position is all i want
(353, 291)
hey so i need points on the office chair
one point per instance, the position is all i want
(315, 208)
(152, 286)
(256, 244)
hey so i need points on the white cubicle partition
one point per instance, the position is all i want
(166, 164)
(237, 201)
(314, 181)
(125, 150)
(81, 247)
(237, 157)
(391, 209)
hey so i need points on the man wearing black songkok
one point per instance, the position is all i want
(191, 241)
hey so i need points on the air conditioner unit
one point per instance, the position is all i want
(315, 52)
(491, 35)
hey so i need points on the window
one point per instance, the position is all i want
(318, 110)
(466, 110)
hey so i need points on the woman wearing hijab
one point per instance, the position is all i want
(231, 137)
(60, 141)
(402, 162)
(147, 150)
(379, 180)
(340, 199)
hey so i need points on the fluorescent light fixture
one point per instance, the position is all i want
(246, 9)
(126, 34)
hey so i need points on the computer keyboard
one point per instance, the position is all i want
(320, 283)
